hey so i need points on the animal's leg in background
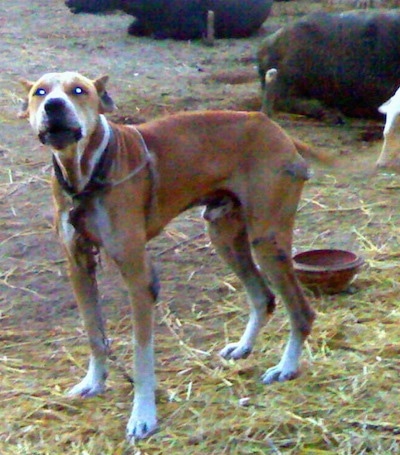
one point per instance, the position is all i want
(229, 236)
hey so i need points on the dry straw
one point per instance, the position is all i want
(345, 402)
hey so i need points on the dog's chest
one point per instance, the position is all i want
(90, 219)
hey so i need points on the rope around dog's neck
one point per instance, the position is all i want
(146, 159)
(99, 183)
(98, 180)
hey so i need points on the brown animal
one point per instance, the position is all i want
(117, 186)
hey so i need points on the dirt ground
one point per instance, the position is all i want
(347, 399)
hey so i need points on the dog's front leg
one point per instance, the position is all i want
(142, 285)
(82, 273)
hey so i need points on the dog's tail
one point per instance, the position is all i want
(307, 152)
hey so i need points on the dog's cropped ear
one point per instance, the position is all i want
(106, 102)
(24, 106)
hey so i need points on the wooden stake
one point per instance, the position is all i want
(210, 38)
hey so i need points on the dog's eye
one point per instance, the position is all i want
(40, 92)
(78, 91)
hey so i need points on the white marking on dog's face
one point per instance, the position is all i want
(63, 108)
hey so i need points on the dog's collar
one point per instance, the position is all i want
(104, 142)
(98, 180)
(145, 161)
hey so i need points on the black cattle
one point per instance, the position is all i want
(349, 61)
(183, 19)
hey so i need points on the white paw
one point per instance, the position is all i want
(278, 374)
(86, 389)
(140, 428)
(235, 351)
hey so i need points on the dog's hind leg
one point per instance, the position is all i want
(228, 234)
(275, 259)
(271, 222)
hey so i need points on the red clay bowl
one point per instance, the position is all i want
(327, 271)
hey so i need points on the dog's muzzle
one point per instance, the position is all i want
(59, 128)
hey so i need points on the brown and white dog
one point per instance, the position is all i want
(117, 186)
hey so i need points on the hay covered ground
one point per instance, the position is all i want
(346, 401)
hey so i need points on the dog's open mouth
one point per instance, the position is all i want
(60, 136)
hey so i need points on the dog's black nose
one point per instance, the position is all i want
(54, 105)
